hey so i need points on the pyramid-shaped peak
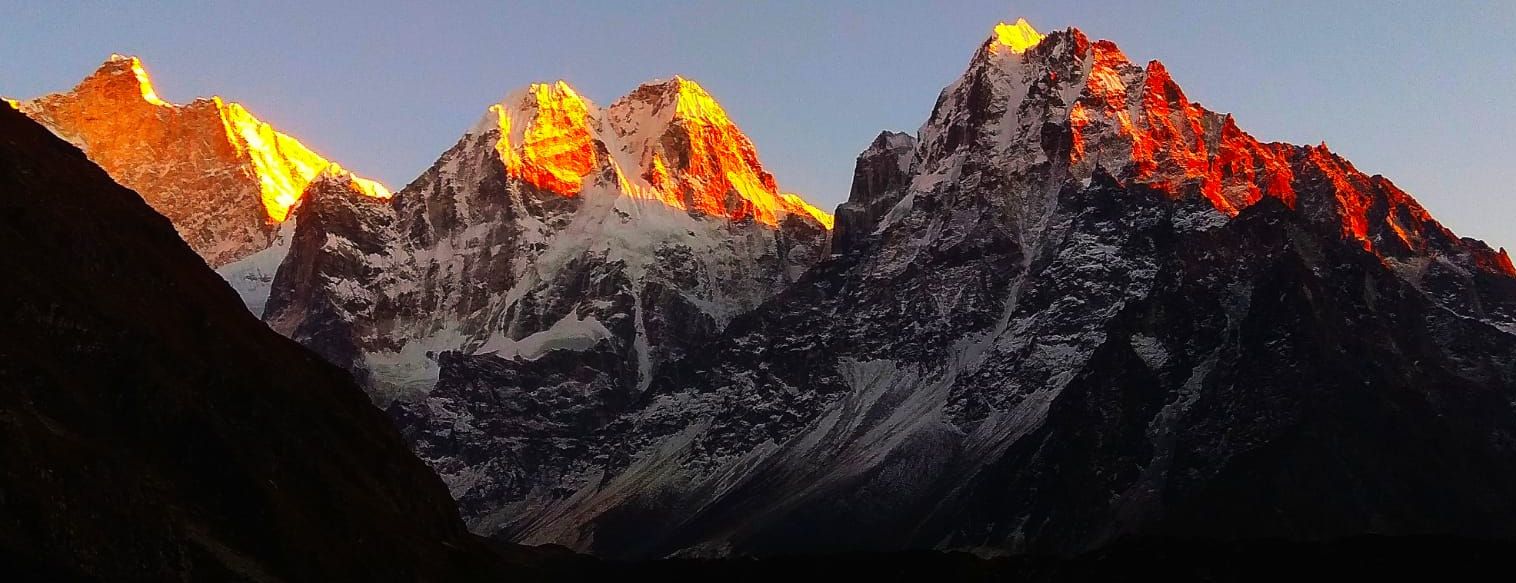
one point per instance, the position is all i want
(694, 102)
(671, 87)
(690, 100)
(546, 138)
(1018, 37)
(119, 70)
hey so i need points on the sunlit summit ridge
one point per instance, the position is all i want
(668, 141)
(1019, 36)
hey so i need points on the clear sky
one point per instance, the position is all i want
(1422, 92)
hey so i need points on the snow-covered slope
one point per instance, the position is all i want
(1075, 306)
(253, 276)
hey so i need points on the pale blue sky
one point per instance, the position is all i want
(1421, 92)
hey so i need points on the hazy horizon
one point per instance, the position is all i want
(1410, 94)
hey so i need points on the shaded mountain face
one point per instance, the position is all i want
(570, 249)
(154, 430)
(1075, 306)
(224, 178)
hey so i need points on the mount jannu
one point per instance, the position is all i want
(224, 178)
(1075, 306)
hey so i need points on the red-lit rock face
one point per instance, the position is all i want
(669, 142)
(1136, 123)
(1174, 143)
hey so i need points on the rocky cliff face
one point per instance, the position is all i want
(154, 430)
(1076, 306)
(225, 179)
(553, 259)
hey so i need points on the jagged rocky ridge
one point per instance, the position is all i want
(569, 249)
(153, 430)
(1076, 306)
(196, 445)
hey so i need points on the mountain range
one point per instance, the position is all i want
(1072, 308)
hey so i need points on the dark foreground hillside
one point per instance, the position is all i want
(1366, 558)
(152, 429)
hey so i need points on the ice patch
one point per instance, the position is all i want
(412, 370)
(253, 276)
(570, 333)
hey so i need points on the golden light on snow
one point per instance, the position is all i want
(1019, 37)
(694, 103)
(720, 160)
(370, 187)
(148, 94)
(556, 150)
(363, 186)
(821, 216)
(282, 165)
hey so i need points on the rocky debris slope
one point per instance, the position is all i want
(223, 177)
(154, 430)
(1077, 306)
(552, 259)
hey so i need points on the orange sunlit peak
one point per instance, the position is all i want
(539, 99)
(1018, 37)
(691, 101)
(144, 81)
(553, 149)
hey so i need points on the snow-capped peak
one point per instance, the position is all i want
(133, 65)
(667, 141)
(677, 98)
(224, 177)
(1017, 37)
(546, 138)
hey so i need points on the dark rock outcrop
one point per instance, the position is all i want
(880, 178)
